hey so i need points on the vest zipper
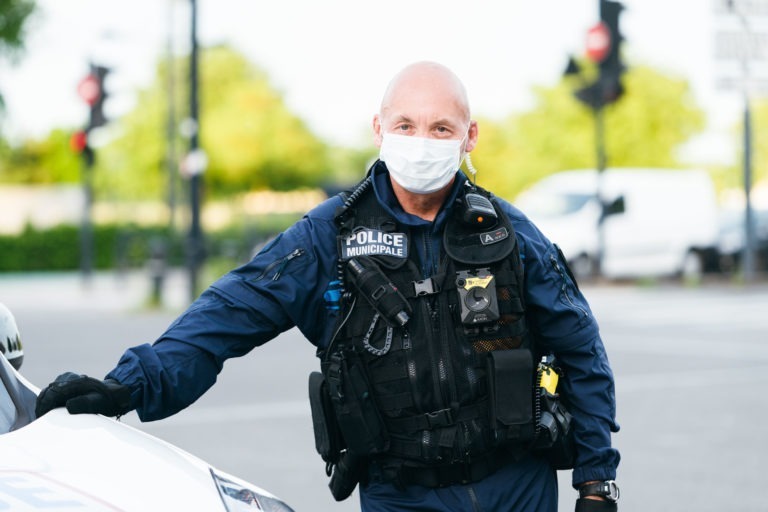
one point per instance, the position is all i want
(438, 346)
(447, 358)
(563, 287)
(439, 373)
(438, 365)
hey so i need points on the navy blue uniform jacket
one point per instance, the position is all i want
(285, 284)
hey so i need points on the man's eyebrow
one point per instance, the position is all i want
(444, 122)
(402, 118)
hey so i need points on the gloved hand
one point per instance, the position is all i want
(587, 505)
(82, 394)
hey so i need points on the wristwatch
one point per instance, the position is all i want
(607, 489)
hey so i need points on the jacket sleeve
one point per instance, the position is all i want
(563, 322)
(281, 287)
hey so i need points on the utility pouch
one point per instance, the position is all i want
(358, 416)
(328, 440)
(510, 378)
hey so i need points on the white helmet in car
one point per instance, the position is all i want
(10, 340)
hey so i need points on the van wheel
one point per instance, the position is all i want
(693, 267)
(582, 266)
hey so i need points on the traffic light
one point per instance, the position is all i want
(91, 90)
(611, 67)
(78, 142)
(97, 117)
(604, 47)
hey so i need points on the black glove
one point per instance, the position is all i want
(587, 505)
(82, 394)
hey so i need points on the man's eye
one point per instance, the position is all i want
(403, 127)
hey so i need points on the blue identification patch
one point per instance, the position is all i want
(373, 242)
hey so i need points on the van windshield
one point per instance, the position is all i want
(554, 205)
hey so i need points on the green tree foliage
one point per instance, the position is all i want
(14, 15)
(45, 161)
(251, 138)
(644, 128)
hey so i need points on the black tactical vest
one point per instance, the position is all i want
(425, 372)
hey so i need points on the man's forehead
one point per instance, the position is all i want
(424, 89)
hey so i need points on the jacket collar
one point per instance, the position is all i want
(386, 197)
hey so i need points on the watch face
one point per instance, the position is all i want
(611, 490)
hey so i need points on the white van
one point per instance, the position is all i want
(658, 222)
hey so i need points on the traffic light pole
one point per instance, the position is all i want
(601, 159)
(92, 90)
(86, 226)
(603, 47)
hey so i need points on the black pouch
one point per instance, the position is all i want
(328, 440)
(359, 419)
(510, 378)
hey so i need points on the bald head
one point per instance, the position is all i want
(426, 99)
(429, 79)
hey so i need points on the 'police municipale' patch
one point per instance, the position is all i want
(491, 237)
(372, 242)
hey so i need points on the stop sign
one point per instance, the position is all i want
(89, 89)
(598, 42)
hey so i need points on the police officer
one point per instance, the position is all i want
(430, 303)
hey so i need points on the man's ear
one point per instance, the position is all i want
(377, 135)
(471, 136)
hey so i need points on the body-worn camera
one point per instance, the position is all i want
(477, 296)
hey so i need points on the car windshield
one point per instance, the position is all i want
(553, 205)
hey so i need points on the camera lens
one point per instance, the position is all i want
(477, 299)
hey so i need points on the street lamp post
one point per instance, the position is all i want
(195, 245)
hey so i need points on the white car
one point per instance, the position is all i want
(86, 462)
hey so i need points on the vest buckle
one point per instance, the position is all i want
(441, 418)
(425, 287)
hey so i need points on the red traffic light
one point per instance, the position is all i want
(89, 89)
(79, 141)
(598, 42)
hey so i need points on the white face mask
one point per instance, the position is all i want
(418, 164)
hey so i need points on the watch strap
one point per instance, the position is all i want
(607, 489)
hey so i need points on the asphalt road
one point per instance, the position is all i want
(691, 368)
